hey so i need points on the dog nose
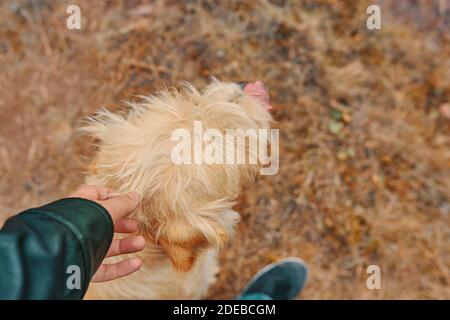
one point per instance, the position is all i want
(242, 84)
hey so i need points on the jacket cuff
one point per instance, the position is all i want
(91, 225)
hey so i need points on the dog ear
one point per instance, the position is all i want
(183, 243)
(183, 255)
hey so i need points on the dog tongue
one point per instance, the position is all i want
(259, 92)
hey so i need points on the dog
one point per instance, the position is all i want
(186, 214)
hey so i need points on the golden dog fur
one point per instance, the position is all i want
(186, 211)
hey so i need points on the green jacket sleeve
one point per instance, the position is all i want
(53, 251)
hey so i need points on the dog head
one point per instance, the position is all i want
(186, 206)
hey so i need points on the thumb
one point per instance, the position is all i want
(122, 205)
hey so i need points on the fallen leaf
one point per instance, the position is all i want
(335, 127)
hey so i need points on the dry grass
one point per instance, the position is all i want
(365, 159)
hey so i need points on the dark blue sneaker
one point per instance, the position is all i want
(281, 280)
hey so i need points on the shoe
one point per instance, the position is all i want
(281, 280)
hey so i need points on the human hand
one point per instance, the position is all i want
(119, 207)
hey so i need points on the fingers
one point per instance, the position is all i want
(93, 193)
(121, 205)
(118, 205)
(126, 245)
(108, 272)
(126, 225)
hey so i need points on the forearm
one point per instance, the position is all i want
(38, 246)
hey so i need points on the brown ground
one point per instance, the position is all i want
(365, 160)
